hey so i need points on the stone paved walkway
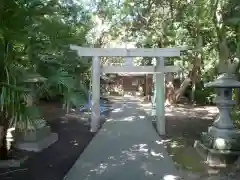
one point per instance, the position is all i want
(126, 148)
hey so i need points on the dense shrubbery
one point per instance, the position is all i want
(235, 115)
(202, 95)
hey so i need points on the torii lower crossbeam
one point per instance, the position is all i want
(139, 69)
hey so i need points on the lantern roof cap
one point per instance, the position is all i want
(224, 81)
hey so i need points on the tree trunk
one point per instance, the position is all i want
(146, 85)
(3, 136)
(3, 143)
(169, 94)
(236, 91)
(169, 89)
(183, 87)
(194, 79)
(172, 95)
(146, 92)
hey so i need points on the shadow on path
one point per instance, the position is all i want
(127, 147)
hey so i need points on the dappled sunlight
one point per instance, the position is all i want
(74, 142)
(117, 110)
(146, 105)
(130, 118)
(109, 120)
(211, 109)
(128, 95)
(100, 169)
(171, 114)
(171, 177)
(77, 116)
(10, 137)
(180, 120)
(207, 117)
(64, 120)
(206, 113)
(141, 147)
(171, 143)
(153, 153)
(138, 153)
(73, 110)
(183, 155)
(125, 145)
(146, 171)
(176, 144)
(212, 171)
(146, 110)
(181, 133)
(163, 141)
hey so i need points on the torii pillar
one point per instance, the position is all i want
(160, 96)
(95, 111)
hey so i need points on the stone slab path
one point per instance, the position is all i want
(126, 148)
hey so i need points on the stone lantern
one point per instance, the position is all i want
(39, 136)
(220, 146)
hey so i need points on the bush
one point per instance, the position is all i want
(204, 95)
(235, 115)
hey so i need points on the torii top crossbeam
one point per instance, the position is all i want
(132, 52)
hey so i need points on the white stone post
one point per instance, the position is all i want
(160, 97)
(95, 108)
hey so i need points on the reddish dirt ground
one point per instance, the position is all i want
(54, 162)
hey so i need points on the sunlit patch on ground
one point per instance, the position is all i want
(184, 126)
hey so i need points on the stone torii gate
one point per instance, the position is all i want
(159, 70)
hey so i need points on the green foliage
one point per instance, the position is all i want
(210, 28)
(235, 115)
(34, 40)
(204, 95)
(35, 37)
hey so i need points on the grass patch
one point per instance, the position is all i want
(185, 156)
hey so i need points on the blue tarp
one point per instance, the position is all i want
(87, 106)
